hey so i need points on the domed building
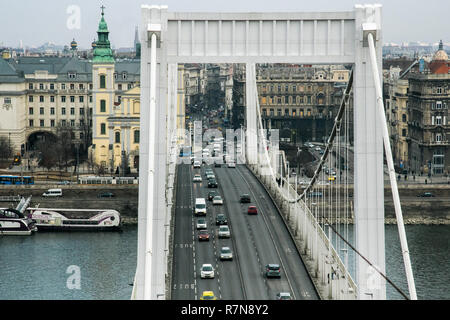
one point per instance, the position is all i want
(428, 117)
(440, 63)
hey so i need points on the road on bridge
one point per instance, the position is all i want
(256, 240)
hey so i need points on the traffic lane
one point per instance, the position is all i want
(229, 277)
(292, 261)
(249, 260)
(204, 251)
(263, 238)
(230, 286)
(183, 267)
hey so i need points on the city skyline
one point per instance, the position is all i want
(79, 21)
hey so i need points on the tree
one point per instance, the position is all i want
(6, 150)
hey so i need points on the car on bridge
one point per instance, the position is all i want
(217, 200)
(201, 224)
(252, 210)
(245, 198)
(221, 219)
(273, 271)
(203, 235)
(212, 194)
(207, 271)
(212, 183)
(197, 178)
(224, 232)
(426, 195)
(217, 164)
(231, 164)
(283, 296)
(210, 175)
(197, 164)
(226, 254)
(208, 295)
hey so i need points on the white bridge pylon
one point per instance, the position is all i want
(170, 38)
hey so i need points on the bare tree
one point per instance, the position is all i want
(6, 150)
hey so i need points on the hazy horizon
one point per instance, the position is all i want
(38, 22)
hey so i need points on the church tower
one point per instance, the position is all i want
(103, 97)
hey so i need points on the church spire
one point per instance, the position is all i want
(102, 51)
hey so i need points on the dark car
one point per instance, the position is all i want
(106, 195)
(273, 271)
(212, 194)
(245, 198)
(203, 235)
(426, 195)
(217, 164)
(212, 183)
(252, 210)
(221, 219)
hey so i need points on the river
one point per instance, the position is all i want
(98, 266)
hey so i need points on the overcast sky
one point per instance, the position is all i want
(36, 22)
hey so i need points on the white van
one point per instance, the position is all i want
(53, 193)
(200, 207)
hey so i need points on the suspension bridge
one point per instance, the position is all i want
(306, 233)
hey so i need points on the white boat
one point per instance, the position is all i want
(51, 219)
(14, 222)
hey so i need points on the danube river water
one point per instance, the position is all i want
(88, 265)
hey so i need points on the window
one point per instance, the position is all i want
(30, 86)
(137, 136)
(52, 98)
(72, 98)
(71, 75)
(41, 123)
(90, 98)
(286, 112)
(41, 86)
(439, 120)
(81, 135)
(403, 132)
(81, 123)
(63, 86)
(124, 75)
(271, 112)
(41, 110)
(31, 123)
(72, 86)
(438, 104)
(80, 86)
(63, 110)
(81, 99)
(438, 137)
(403, 117)
(294, 88)
(286, 88)
(81, 111)
(130, 86)
(90, 112)
(439, 90)
(264, 112)
(30, 98)
(117, 137)
(52, 123)
(30, 110)
(102, 81)
(41, 98)
(63, 99)
(72, 123)
(72, 111)
(309, 99)
(52, 110)
(52, 86)
(119, 86)
(102, 128)
(102, 105)
(279, 112)
(63, 123)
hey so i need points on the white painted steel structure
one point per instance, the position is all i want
(301, 38)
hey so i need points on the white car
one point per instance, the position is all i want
(226, 254)
(224, 232)
(207, 271)
(231, 164)
(201, 224)
(197, 178)
(197, 164)
(217, 200)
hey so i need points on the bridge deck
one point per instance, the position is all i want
(255, 242)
